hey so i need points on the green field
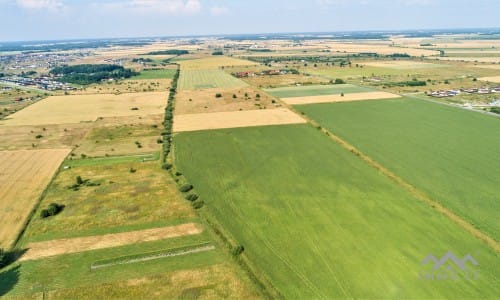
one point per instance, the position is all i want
(207, 79)
(321, 223)
(316, 90)
(155, 74)
(450, 154)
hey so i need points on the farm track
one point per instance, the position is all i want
(491, 242)
(74, 245)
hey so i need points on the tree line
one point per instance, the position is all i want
(88, 73)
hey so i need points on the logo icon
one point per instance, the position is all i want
(449, 267)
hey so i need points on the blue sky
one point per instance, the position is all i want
(66, 19)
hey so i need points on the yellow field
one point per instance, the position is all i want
(495, 79)
(213, 63)
(24, 176)
(339, 98)
(474, 59)
(401, 64)
(494, 67)
(87, 108)
(235, 119)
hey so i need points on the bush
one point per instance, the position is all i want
(192, 197)
(186, 187)
(166, 166)
(79, 180)
(238, 250)
(3, 258)
(218, 95)
(339, 81)
(132, 170)
(52, 210)
(198, 204)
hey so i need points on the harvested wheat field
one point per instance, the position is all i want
(235, 99)
(249, 118)
(88, 108)
(402, 64)
(339, 98)
(214, 63)
(64, 246)
(495, 79)
(495, 60)
(23, 177)
(494, 67)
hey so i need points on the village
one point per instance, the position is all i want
(456, 92)
(42, 82)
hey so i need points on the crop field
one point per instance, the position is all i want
(156, 74)
(208, 79)
(205, 101)
(448, 153)
(495, 79)
(120, 201)
(321, 223)
(403, 65)
(316, 90)
(87, 108)
(127, 139)
(24, 176)
(339, 98)
(213, 63)
(248, 118)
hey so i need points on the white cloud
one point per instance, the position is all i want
(154, 6)
(52, 5)
(219, 10)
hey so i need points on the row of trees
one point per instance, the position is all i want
(169, 117)
(169, 52)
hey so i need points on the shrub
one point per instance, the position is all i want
(79, 180)
(3, 258)
(192, 197)
(132, 170)
(52, 210)
(218, 95)
(186, 187)
(177, 173)
(238, 250)
(198, 204)
(342, 94)
(44, 213)
(167, 166)
(39, 136)
(159, 141)
(339, 81)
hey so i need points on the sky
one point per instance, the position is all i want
(22, 20)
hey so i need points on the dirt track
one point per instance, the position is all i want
(65, 246)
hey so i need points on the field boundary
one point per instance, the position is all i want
(135, 258)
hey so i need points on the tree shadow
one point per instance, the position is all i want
(13, 255)
(9, 279)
